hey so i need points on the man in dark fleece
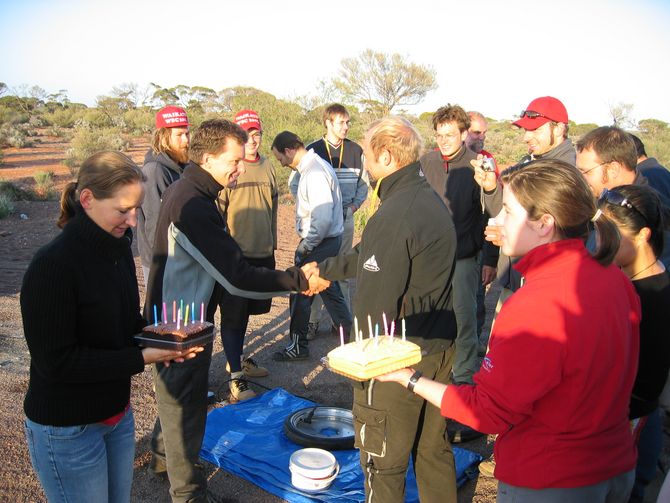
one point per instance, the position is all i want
(163, 165)
(194, 258)
(404, 265)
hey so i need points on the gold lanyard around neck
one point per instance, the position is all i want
(330, 158)
(375, 202)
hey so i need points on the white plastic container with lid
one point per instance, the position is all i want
(313, 470)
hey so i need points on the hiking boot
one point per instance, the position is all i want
(239, 390)
(250, 368)
(459, 433)
(312, 329)
(487, 467)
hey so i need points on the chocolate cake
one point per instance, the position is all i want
(167, 335)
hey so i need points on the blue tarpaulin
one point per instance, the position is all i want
(248, 440)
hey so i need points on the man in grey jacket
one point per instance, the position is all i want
(319, 223)
(545, 125)
(163, 165)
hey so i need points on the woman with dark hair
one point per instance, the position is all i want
(638, 213)
(557, 378)
(80, 309)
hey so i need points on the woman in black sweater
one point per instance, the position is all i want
(80, 309)
(638, 213)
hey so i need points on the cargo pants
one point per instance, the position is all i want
(391, 423)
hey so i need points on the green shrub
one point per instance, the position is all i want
(96, 118)
(87, 141)
(10, 116)
(16, 136)
(63, 117)
(13, 191)
(6, 206)
(44, 185)
(139, 121)
(59, 132)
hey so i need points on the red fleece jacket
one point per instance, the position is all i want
(557, 379)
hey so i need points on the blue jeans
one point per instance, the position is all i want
(614, 490)
(648, 450)
(84, 463)
(332, 296)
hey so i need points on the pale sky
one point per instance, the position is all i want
(491, 56)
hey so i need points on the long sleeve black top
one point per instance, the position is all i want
(80, 309)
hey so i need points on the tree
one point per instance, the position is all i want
(652, 127)
(622, 116)
(381, 82)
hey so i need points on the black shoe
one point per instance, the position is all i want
(459, 433)
(290, 355)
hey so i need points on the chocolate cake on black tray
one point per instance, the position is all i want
(176, 336)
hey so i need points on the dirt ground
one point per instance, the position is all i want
(31, 226)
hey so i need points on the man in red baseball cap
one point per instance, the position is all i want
(250, 212)
(545, 121)
(163, 164)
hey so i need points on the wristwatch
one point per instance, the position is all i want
(413, 380)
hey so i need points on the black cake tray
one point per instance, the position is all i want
(150, 340)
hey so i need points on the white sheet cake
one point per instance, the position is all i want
(372, 357)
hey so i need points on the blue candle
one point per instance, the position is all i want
(155, 316)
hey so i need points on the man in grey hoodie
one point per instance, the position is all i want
(163, 165)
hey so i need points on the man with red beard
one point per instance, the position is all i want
(163, 165)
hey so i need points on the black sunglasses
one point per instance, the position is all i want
(617, 199)
(532, 115)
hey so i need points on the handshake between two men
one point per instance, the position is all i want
(316, 283)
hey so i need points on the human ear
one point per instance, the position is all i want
(86, 198)
(546, 225)
(643, 236)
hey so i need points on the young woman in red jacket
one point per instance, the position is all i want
(556, 382)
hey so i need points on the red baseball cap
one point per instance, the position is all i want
(171, 117)
(248, 119)
(540, 111)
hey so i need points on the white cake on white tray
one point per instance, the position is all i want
(366, 359)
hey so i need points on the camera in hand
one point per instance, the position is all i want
(488, 164)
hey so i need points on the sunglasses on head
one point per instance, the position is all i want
(617, 199)
(532, 115)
